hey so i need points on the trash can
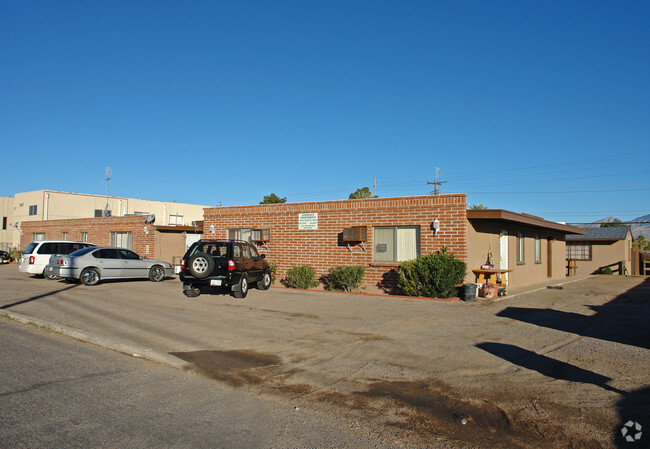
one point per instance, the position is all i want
(469, 292)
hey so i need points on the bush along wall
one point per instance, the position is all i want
(301, 276)
(346, 278)
(432, 276)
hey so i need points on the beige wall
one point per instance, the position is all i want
(604, 253)
(9, 236)
(484, 235)
(53, 205)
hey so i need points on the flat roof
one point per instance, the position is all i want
(527, 219)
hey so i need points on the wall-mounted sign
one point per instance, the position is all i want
(307, 222)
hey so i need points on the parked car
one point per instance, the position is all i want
(37, 254)
(229, 264)
(4, 257)
(94, 264)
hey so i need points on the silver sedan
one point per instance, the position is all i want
(94, 264)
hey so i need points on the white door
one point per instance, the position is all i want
(191, 238)
(503, 257)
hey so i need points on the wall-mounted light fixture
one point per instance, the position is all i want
(146, 230)
(435, 225)
(211, 229)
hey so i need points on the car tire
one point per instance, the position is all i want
(156, 273)
(49, 276)
(201, 265)
(192, 292)
(265, 282)
(242, 290)
(90, 276)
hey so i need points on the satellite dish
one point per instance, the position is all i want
(151, 218)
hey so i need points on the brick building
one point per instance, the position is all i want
(396, 229)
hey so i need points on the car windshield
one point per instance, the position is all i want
(82, 251)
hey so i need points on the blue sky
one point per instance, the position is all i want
(536, 107)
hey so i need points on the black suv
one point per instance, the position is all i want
(224, 263)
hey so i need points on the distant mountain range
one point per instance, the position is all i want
(638, 226)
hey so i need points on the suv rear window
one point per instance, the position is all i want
(215, 249)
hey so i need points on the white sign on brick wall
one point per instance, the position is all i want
(307, 222)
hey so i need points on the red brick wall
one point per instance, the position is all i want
(322, 249)
(98, 229)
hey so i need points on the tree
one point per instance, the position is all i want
(612, 224)
(273, 199)
(642, 243)
(363, 192)
(478, 207)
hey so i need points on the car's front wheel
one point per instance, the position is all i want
(157, 273)
(90, 276)
(242, 289)
(265, 282)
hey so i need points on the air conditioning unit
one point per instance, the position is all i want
(260, 235)
(355, 234)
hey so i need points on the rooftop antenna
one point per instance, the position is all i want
(107, 210)
(437, 182)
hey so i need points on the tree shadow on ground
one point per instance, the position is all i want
(35, 298)
(547, 366)
(622, 320)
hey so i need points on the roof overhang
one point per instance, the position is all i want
(172, 228)
(524, 219)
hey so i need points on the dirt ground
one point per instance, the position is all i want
(558, 367)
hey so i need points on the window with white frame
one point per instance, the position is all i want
(520, 248)
(64, 236)
(176, 219)
(84, 237)
(538, 249)
(36, 236)
(396, 243)
(121, 239)
(578, 250)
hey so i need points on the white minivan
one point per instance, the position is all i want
(37, 254)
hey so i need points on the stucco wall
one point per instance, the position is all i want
(606, 253)
(483, 235)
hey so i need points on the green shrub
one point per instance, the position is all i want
(432, 276)
(345, 278)
(606, 270)
(15, 254)
(301, 276)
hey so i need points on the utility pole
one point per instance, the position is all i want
(437, 182)
(107, 211)
(375, 190)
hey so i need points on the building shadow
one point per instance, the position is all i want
(547, 366)
(622, 320)
(634, 413)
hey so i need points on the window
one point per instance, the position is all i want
(176, 220)
(103, 213)
(106, 253)
(38, 236)
(520, 248)
(64, 236)
(33, 210)
(538, 249)
(396, 243)
(84, 237)
(240, 234)
(121, 239)
(4, 223)
(129, 255)
(578, 250)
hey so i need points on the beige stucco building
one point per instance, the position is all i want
(41, 205)
(599, 248)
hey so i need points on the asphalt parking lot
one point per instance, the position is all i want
(565, 366)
